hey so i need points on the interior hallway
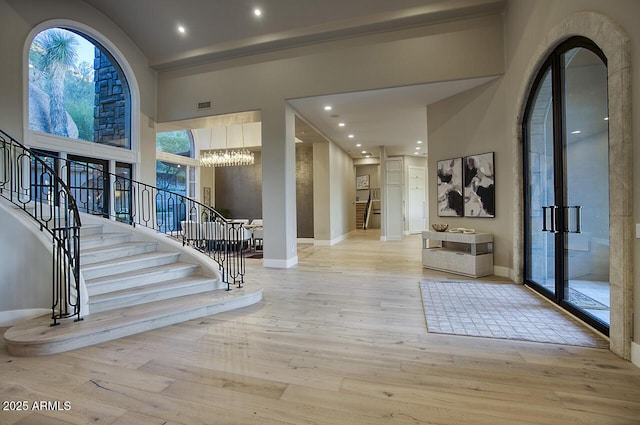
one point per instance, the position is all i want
(338, 339)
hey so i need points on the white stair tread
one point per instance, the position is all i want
(114, 247)
(153, 288)
(98, 236)
(147, 256)
(36, 337)
(158, 271)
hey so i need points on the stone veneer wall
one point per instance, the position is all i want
(110, 106)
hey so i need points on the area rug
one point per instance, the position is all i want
(500, 310)
(255, 254)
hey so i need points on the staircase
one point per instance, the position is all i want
(361, 208)
(136, 281)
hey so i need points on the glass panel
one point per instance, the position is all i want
(42, 182)
(177, 142)
(540, 191)
(587, 182)
(170, 205)
(122, 193)
(86, 178)
(192, 182)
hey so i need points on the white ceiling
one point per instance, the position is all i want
(221, 29)
(395, 118)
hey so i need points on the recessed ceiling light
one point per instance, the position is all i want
(181, 29)
(416, 153)
(328, 108)
(341, 124)
(351, 136)
(257, 11)
(358, 145)
(364, 151)
(576, 132)
(419, 142)
(417, 148)
(606, 118)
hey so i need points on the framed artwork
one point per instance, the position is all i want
(206, 196)
(479, 185)
(450, 200)
(362, 182)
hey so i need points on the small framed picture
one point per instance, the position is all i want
(450, 201)
(362, 182)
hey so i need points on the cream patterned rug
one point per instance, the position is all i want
(500, 310)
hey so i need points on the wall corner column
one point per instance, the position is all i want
(279, 186)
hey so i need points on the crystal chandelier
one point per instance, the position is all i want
(227, 158)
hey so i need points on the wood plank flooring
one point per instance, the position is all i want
(340, 339)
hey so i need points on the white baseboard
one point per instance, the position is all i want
(280, 264)
(13, 317)
(325, 242)
(305, 240)
(502, 271)
(390, 238)
(635, 353)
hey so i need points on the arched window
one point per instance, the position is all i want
(77, 90)
(566, 190)
(179, 142)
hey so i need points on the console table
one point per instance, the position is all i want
(468, 254)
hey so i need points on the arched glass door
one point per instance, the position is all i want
(567, 182)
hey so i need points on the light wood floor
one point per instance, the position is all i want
(339, 339)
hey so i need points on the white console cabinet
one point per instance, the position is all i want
(468, 254)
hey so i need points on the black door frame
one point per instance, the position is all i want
(553, 63)
(104, 191)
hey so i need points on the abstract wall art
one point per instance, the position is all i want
(450, 199)
(479, 185)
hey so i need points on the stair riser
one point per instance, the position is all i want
(92, 272)
(90, 230)
(106, 255)
(19, 348)
(178, 291)
(141, 280)
(106, 241)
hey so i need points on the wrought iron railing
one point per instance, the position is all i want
(100, 192)
(34, 185)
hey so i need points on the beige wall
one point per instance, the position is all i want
(472, 48)
(470, 123)
(342, 192)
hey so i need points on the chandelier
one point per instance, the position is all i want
(227, 158)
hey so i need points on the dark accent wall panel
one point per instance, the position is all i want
(239, 190)
(304, 190)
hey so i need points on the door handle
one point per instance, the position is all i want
(553, 218)
(578, 217)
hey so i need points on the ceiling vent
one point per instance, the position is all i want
(204, 105)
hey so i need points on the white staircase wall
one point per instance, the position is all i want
(25, 267)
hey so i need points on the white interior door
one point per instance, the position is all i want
(416, 201)
(394, 219)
